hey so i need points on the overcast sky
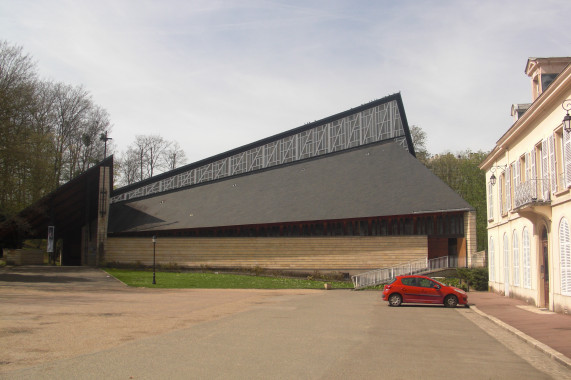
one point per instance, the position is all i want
(215, 75)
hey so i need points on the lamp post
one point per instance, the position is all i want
(154, 250)
(103, 137)
(567, 119)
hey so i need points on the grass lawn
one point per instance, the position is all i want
(186, 280)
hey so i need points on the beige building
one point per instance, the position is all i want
(528, 176)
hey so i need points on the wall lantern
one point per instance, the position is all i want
(567, 119)
(493, 170)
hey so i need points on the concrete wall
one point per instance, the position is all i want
(347, 254)
(24, 256)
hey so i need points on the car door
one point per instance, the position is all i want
(431, 291)
(411, 291)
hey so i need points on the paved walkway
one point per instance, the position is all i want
(548, 331)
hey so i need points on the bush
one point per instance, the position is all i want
(453, 281)
(476, 278)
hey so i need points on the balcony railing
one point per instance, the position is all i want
(532, 191)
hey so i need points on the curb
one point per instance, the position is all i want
(556, 355)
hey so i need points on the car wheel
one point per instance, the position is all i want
(395, 299)
(450, 301)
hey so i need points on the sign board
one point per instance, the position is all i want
(51, 231)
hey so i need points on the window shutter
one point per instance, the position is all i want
(501, 198)
(515, 250)
(490, 201)
(526, 259)
(508, 189)
(567, 157)
(515, 181)
(492, 261)
(552, 165)
(506, 259)
(526, 173)
(545, 170)
(565, 256)
(533, 175)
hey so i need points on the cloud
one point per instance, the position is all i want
(214, 75)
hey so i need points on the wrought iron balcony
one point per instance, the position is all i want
(532, 191)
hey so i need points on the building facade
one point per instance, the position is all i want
(345, 193)
(528, 176)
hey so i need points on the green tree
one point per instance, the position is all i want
(47, 132)
(419, 141)
(460, 171)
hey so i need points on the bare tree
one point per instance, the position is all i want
(175, 156)
(72, 105)
(17, 102)
(148, 156)
(47, 131)
(128, 167)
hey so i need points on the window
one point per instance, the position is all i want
(426, 283)
(410, 281)
(515, 251)
(565, 257)
(526, 259)
(506, 259)
(492, 260)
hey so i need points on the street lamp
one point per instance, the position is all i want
(567, 119)
(104, 138)
(154, 250)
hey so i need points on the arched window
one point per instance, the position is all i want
(491, 260)
(515, 250)
(565, 257)
(526, 259)
(506, 259)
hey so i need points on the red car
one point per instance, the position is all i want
(421, 289)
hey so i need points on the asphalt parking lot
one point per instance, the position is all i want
(84, 324)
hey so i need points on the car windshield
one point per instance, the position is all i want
(438, 282)
(394, 279)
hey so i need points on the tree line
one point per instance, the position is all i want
(50, 132)
(460, 171)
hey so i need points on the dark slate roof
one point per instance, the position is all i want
(65, 208)
(394, 97)
(376, 180)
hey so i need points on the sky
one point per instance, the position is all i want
(215, 75)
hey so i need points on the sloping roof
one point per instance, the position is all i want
(380, 120)
(65, 208)
(375, 180)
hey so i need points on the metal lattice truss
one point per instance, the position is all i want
(378, 123)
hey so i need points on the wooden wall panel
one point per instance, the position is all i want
(307, 253)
